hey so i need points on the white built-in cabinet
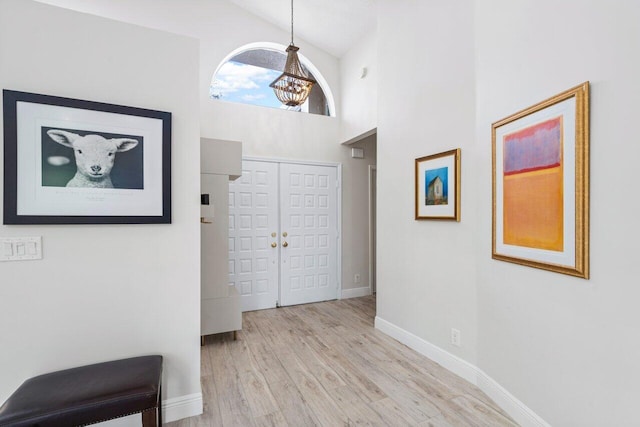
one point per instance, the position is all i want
(220, 162)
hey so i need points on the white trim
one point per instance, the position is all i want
(355, 292)
(279, 225)
(453, 363)
(360, 137)
(339, 236)
(291, 161)
(522, 414)
(181, 407)
(514, 407)
(372, 230)
(282, 49)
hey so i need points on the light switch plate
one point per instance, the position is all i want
(20, 248)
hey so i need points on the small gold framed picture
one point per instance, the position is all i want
(437, 186)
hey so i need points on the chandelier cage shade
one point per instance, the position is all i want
(294, 85)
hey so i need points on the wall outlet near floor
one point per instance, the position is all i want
(455, 337)
(356, 278)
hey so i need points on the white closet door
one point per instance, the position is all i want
(253, 231)
(308, 220)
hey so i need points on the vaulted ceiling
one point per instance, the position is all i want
(332, 25)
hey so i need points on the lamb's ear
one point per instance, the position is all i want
(125, 144)
(63, 137)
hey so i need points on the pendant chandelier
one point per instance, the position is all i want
(294, 85)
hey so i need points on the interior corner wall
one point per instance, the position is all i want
(565, 346)
(426, 105)
(359, 88)
(105, 292)
(562, 346)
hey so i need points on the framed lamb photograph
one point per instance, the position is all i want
(437, 186)
(71, 161)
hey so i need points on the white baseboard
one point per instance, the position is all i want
(355, 292)
(453, 363)
(512, 405)
(517, 410)
(180, 407)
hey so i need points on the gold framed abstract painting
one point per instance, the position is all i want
(541, 185)
(438, 186)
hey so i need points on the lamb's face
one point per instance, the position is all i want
(95, 155)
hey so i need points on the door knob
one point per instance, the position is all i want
(274, 244)
(284, 234)
(285, 244)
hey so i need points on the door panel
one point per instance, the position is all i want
(308, 219)
(253, 218)
(297, 203)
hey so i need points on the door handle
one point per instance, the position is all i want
(274, 245)
(204, 221)
(285, 244)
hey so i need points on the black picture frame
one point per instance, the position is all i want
(122, 177)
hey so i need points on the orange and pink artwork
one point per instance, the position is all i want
(533, 211)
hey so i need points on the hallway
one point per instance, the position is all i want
(324, 364)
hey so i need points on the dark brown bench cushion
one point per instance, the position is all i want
(86, 395)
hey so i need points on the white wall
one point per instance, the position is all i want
(566, 347)
(223, 27)
(105, 291)
(426, 269)
(359, 95)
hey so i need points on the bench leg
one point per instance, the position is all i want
(160, 406)
(149, 418)
(153, 418)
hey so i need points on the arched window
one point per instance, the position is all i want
(245, 75)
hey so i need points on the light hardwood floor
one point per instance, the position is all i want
(325, 365)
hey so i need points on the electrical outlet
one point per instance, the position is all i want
(455, 337)
(356, 278)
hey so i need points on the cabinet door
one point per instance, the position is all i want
(213, 236)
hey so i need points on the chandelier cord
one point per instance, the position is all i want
(291, 21)
(294, 85)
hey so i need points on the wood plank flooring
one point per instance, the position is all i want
(325, 365)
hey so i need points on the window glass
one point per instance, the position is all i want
(245, 78)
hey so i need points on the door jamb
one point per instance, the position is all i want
(372, 231)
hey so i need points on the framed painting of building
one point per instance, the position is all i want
(541, 185)
(437, 186)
